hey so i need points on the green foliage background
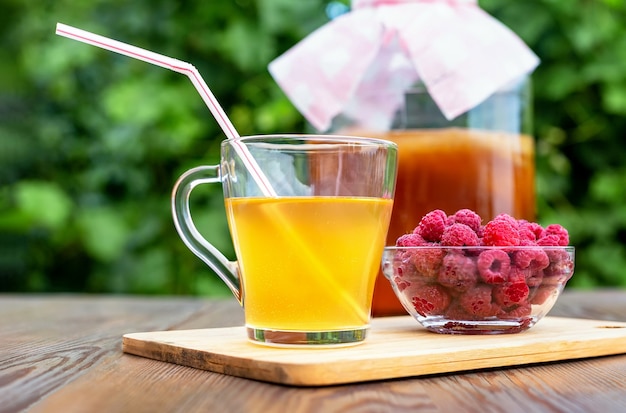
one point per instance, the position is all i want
(91, 142)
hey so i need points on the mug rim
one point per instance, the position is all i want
(319, 137)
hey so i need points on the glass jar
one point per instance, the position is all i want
(483, 160)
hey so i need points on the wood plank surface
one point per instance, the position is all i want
(38, 326)
(47, 341)
(397, 347)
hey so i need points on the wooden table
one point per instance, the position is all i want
(62, 353)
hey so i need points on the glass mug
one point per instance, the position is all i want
(307, 258)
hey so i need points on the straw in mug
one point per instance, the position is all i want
(193, 74)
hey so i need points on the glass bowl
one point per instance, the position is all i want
(478, 290)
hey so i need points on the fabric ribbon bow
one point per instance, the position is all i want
(362, 62)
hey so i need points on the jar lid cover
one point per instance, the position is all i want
(458, 51)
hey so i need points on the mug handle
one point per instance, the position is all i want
(227, 270)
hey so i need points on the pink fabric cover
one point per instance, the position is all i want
(382, 47)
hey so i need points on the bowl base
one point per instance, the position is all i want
(477, 327)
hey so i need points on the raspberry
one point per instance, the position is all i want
(401, 283)
(517, 275)
(542, 294)
(530, 230)
(533, 278)
(561, 266)
(410, 240)
(520, 311)
(430, 299)
(501, 232)
(524, 242)
(557, 255)
(549, 240)
(477, 301)
(457, 272)
(494, 266)
(403, 268)
(459, 235)
(467, 217)
(534, 259)
(456, 312)
(432, 225)
(427, 261)
(510, 294)
(526, 237)
(480, 232)
(560, 232)
(506, 217)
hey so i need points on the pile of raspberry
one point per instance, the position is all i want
(460, 283)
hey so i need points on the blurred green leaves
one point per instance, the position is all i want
(103, 233)
(91, 142)
(43, 204)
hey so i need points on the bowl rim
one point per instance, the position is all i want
(570, 248)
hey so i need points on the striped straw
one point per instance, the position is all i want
(192, 73)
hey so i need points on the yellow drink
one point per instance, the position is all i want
(308, 263)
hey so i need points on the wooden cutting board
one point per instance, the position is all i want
(396, 347)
